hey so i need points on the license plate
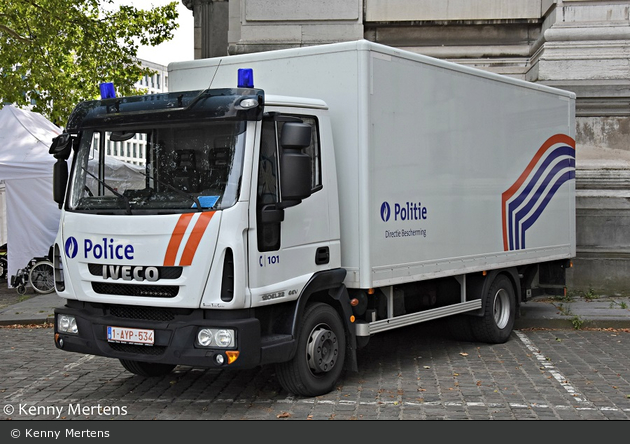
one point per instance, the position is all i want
(126, 335)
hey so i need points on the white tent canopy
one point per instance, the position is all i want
(26, 169)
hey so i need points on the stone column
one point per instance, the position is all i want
(263, 25)
(211, 27)
(586, 49)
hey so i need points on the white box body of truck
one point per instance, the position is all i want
(288, 205)
(441, 169)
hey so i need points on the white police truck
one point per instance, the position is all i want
(293, 203)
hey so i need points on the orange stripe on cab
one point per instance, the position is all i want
(176, 239)
(195, 238)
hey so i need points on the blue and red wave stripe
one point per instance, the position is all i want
(523, 203)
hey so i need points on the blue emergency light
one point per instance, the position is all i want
(107, 90)
(245, 78)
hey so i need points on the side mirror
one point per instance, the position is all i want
(60, 181)
(271, 214)
(295, 166)
(295, 135)
(61, 146)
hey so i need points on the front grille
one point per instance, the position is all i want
(143, 313)
(138, 349)
(148, 291)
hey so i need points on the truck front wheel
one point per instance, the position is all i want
(147, 369)
(319, 360)
(499, 304)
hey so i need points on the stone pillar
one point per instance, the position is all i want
(263, 25)
(211, 27)
(586, 49)
(494, 35)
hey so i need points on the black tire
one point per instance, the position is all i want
(497, 322)
(147, 369)
(459, 328)
(42, 277)
(321, 349)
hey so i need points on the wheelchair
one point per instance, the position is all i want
(39, 274)
(4, 262)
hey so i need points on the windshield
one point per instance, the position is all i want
(177, 167)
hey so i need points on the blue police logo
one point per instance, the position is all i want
(71, 247)
(385, 211)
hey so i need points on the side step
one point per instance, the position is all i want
(370, 328)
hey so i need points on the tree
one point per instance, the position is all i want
(55, 53)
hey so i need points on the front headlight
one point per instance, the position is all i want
(204, 337)
(224, 338)
(67, 324)
(216, 337)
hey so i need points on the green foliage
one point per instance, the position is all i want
(55, 53)
(591, 294)
(621, 304)
(577, 322)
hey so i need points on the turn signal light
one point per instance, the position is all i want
(232, 356)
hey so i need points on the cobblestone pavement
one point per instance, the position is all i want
(412, 373)
(10, 296)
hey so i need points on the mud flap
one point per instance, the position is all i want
(340, 294)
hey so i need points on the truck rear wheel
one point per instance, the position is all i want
(497, 322)
(147, 369)
(319, 361)
(459, 328)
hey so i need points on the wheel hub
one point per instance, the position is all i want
(501, 308)
(323, 349)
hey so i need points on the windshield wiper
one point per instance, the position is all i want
(177, 190)
(116, 193)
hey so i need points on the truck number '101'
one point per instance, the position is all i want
(269, 260)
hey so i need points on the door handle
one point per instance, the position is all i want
(322, 256)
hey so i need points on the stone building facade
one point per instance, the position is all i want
(578, 45)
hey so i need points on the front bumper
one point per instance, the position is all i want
(175, 334)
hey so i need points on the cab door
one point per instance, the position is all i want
(286, 246)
